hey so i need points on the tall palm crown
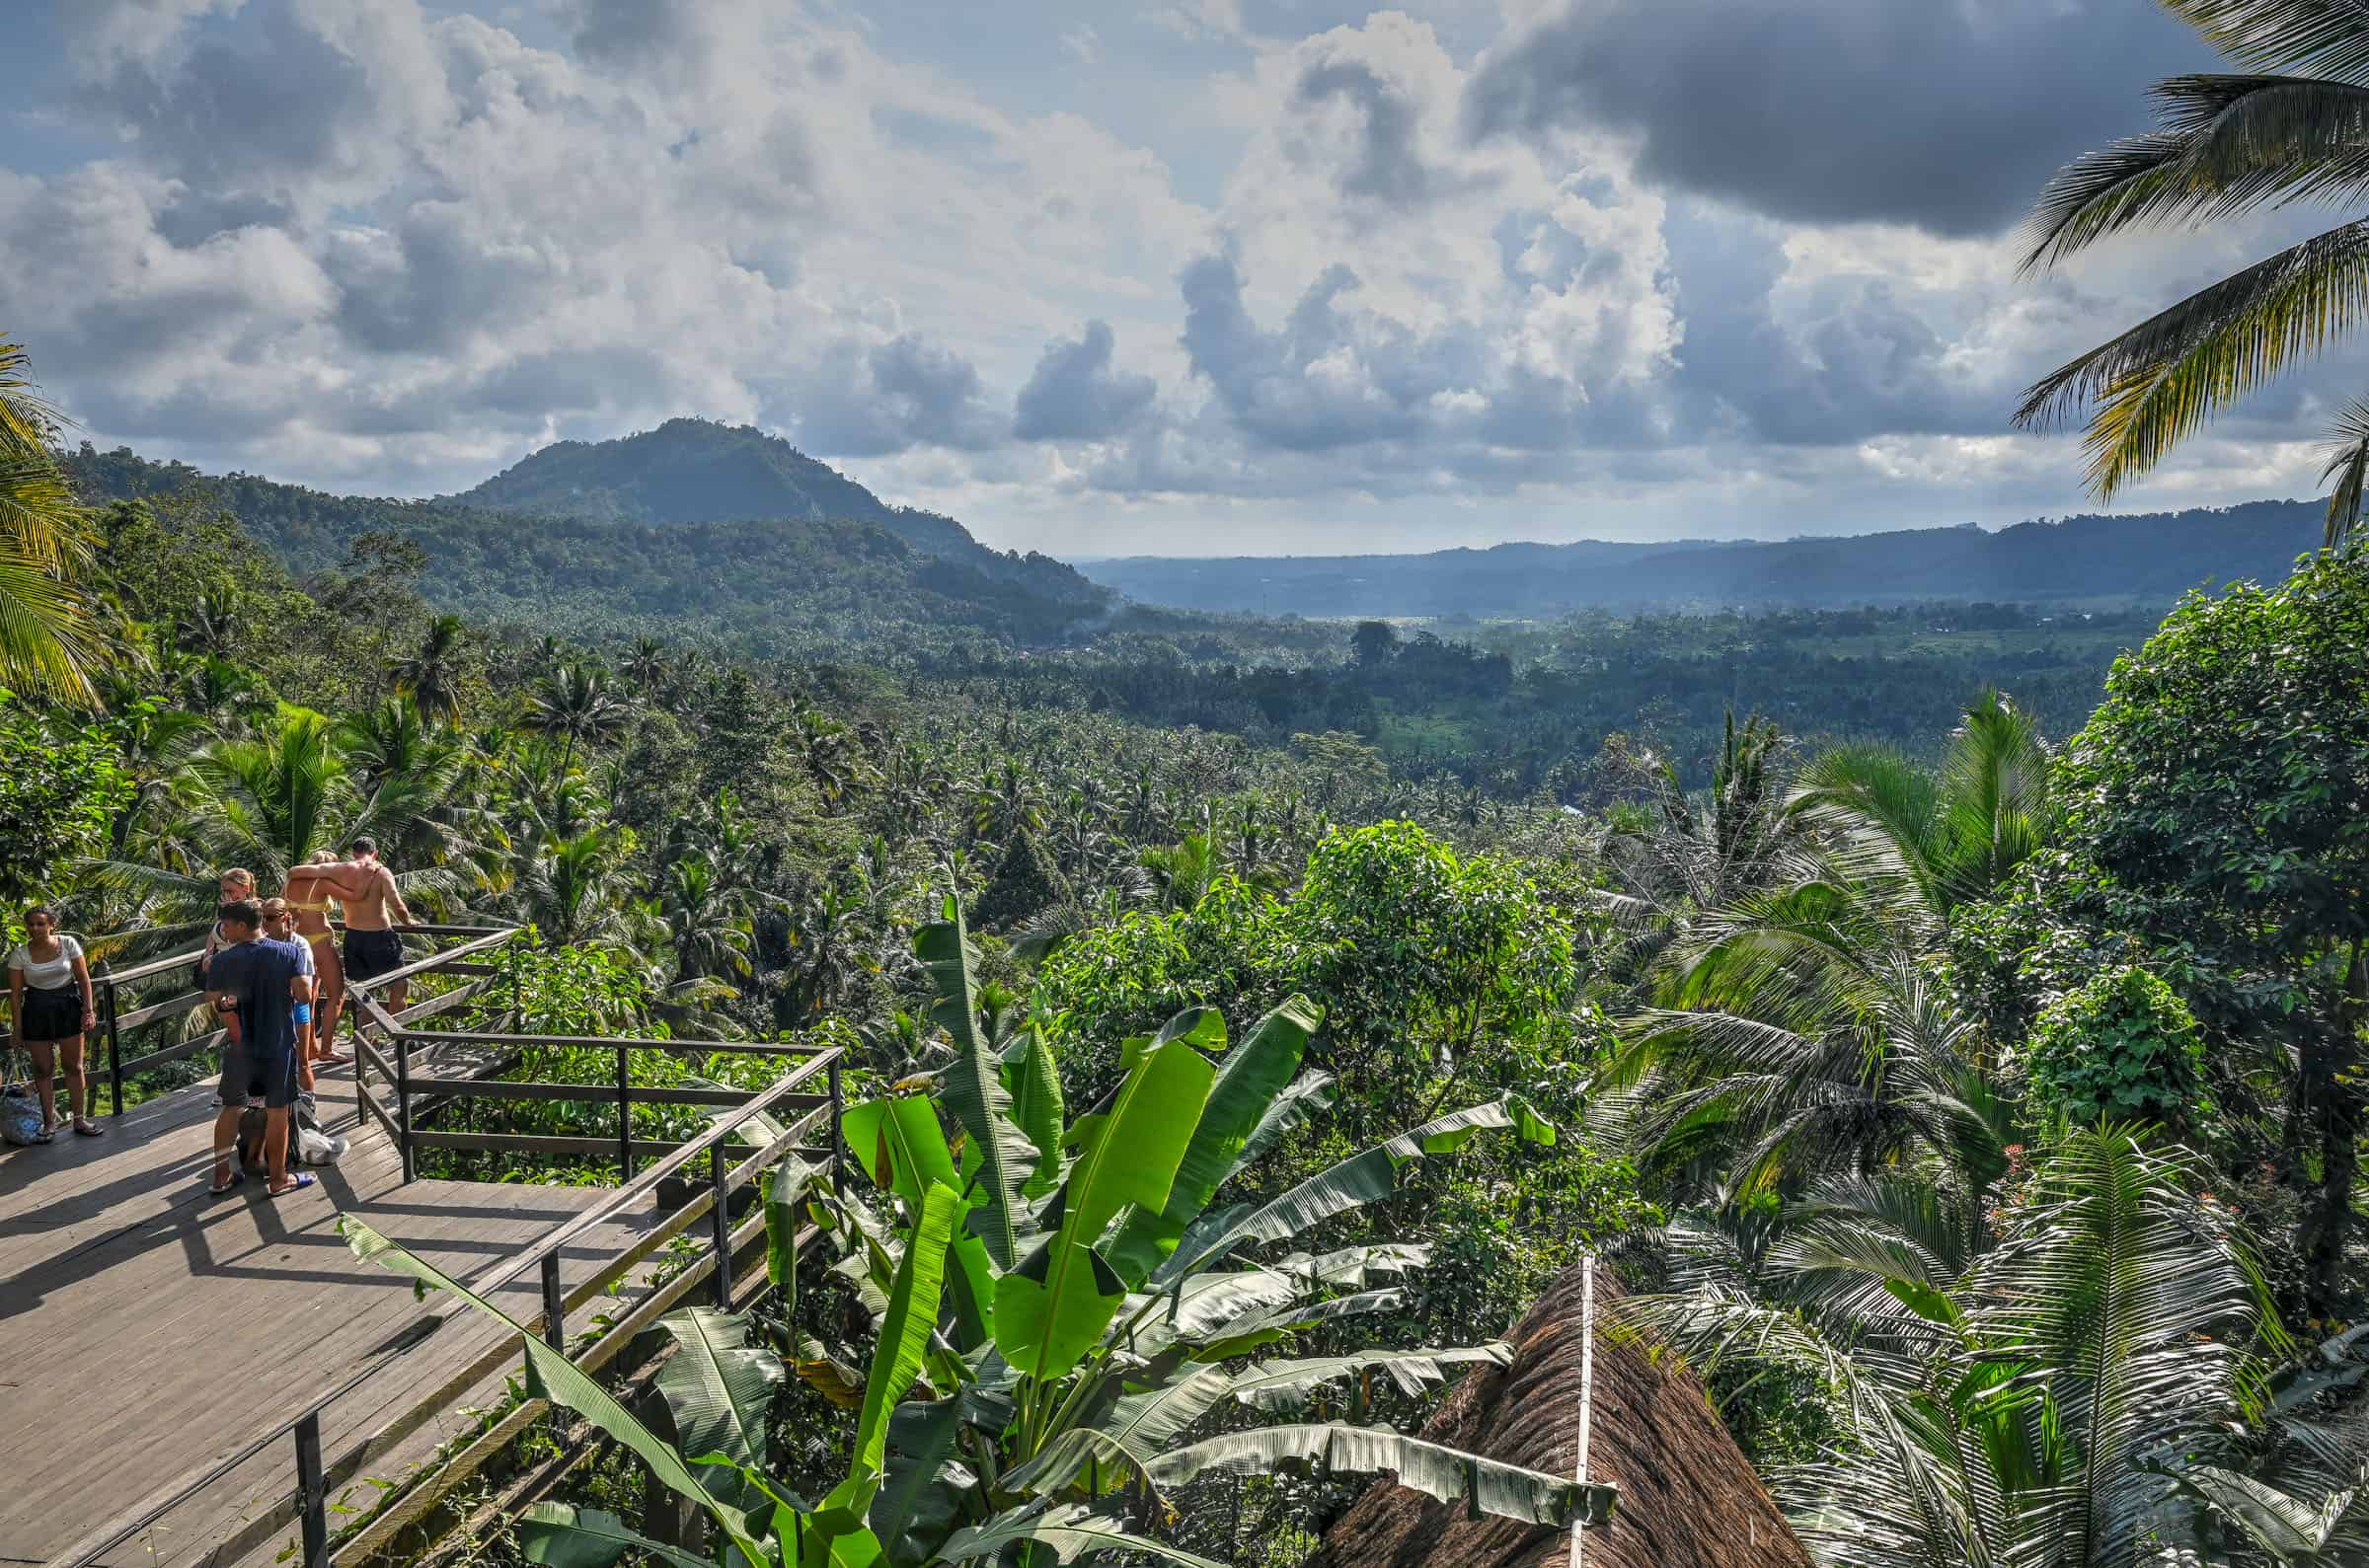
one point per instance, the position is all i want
(48, 641)
(2225, 145)
(577, 704)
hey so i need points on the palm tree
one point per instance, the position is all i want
(1952, 835)
(432, 677)
(704, 922)
(576, 891)
(1801, 1033)
(48, 641)
(212, 625)
(2085, 1380)
(576, 704)
(267, 803)
(2225, 144)
(645, 666)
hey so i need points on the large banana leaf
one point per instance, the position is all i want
(785, 1191)
(1245, 1091)
(718, 1388)
(904, 1335)
(1307, 1094)
(922, 1492)
(1249, 1332)
(1450, 1475)
(1362, 1178)
(1067, 1529)
(837, 1533)
(1139, 1426)
(975, 1086)
(1036, 1105)
(1279, 1388)
(563, 1383)
(904, 1150)
(1052, 1310)
(571, 1537)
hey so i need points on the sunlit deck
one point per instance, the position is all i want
(149, 1331)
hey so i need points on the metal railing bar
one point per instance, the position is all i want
(420, 966)
(609, 1043)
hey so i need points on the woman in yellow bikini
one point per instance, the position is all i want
(309, 890)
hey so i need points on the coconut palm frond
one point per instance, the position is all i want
(2227, 144)
(2327, 37)
(2156, 384)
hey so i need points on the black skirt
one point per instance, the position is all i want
(51, 1013)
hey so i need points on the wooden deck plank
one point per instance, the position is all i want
(175, 1327)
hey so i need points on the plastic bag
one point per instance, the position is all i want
(20, 1113)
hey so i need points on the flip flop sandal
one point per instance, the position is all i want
(89, 1129)
(224, 1189)
(47, 1135)
(297, 1183)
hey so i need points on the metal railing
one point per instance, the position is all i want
(309, 1495)
(107, 985)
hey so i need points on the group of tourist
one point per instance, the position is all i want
(274, 972)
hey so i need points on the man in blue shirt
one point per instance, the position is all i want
(255, 986)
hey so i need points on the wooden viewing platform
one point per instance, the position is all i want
(149, 1331)
(158, 1344)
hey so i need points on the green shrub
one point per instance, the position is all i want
(2122, 1047)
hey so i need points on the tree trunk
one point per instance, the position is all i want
(2331, 1078)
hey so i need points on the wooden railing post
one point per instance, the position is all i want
(625, 1114)
(555, 1304)
(720, 1226)
(838, 1144)
(402, 1102)
(115, 1048)
(312, 1491)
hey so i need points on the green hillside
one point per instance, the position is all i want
(806, 576)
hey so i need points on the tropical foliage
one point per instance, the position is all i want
(2286, 128)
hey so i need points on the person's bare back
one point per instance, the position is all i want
(377, 905)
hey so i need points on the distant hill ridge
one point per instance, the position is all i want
(703, 471)
(695, 525)
(2145, 558)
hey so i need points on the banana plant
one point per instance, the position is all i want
(1062, 1304)
(1066, 1385)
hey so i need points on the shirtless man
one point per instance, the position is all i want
(371, 913)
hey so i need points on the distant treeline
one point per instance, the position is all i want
(2144, 560)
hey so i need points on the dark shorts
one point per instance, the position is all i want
(371, 953)
(269, 1079)
(52, 1015)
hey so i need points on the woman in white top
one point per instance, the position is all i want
(51, 1007)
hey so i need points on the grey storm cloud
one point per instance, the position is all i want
(1946, 114)
(1076, 395)
(1852, 361)
(255, 111)
(1264, 379)
(1386, 167)
(887, 397)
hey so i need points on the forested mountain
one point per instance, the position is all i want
(799, 576)
(702, 471)
(2147, 559)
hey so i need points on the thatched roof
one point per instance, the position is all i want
(1687, 1497)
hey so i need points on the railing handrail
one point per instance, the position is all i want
(718, 1130)
(609, 1043)
(493, 936)
(105, 969)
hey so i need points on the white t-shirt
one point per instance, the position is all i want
(57, 972)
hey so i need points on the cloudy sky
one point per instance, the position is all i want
(1173, 277)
